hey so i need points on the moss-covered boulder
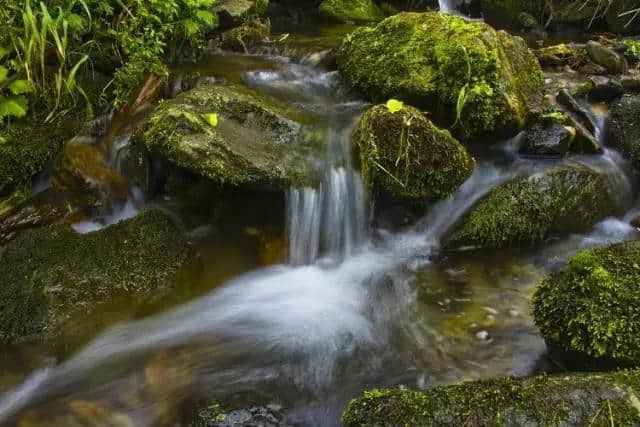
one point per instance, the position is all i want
(563, 199)
(589, 313)
(407, 157)
(623, 129)
(350, 11)
(52, 275)
(233, 12)
(566, 400)
(232, 136)
(466, 74)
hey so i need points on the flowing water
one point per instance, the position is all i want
(354, 307)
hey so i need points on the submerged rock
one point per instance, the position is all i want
(350, 11)
(589, 313)
(232, 136)
(623, 130)
(483, 81)
(576, 399)
(569, 198)
(53, 275)
(404, 155)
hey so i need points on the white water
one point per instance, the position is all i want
(447, 6)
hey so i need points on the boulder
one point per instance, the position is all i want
(82, 173)
(232, 13)
(467, 75)
(505, 13)
(608, 58)
(242, 38)
(606, 91)
(623, 130)
(52, 275)
(350, 11)
(407, 157)
(548, 140)
(567, 198)
(589, 313)
(232, 136)
(574, 399)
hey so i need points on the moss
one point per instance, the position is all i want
(623, 128)
(505, 13)
(405, 155)
(525, 210)
(578, 399)
(592, 308)
(242, 38)
(350, 11)
(255, 141)
(51, 273)
(426, 59)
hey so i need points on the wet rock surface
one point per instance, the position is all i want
(623, 130)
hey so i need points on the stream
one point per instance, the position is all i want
(357, 304)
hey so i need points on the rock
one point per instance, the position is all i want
(589, 313)
(567, 100)
(215, 416)
(232, 13)
(423, 59)
(528, 21)
(568, 198)
(622, 24)
(52, 275)
(623, 129)
(241, 39)
(569, 399)
(631, 84)
(44, 208)
(405, 156)
(232, 136)
(606, 92)
(350, 11)
(591, 68)
(81, 171)
(506, 13)
(613, 62)
(558, 55)
(548, 140)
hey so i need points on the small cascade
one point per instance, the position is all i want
(447, 6)
(329, 220)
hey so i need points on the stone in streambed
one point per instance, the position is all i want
(589, 313)
(606, 91)
(244, 37)
(405, 156)
(232, 136)
(623, 130)
(612, 61)
(52, 275)
(568, 198)
(233, 12)
(424, 59)
(548, 140)
(569, 399)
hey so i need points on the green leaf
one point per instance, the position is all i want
(205, 16)
(393, 105)
(15, 106)
(211, 118)
(3, 74)
(3, 52)
(19, 87)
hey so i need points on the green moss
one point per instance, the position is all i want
(51, 273)
(255, 141)
(525, 210)
(592, 308)
(578, 399)
(406, 156)
(350, 10)
(427, 59)
(623, 127)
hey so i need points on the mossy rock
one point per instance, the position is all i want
(233, 12)
(52, 274)
(506, 13)
(589, 313)
(568, 198)
(407, 157)
(578, 399)
(232, 136)
(623, 129)
(434, 61)
(350, 11)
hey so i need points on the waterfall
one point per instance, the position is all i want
(328, 220)
(446, 6)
